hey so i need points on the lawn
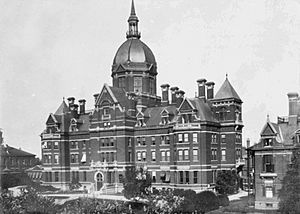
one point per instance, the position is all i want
(243, 205)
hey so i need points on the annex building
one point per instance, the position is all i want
(272, 154)
(181, 141)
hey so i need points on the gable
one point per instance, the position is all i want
(106, 96)
(268, 130)
(51, 120)
(186, 106)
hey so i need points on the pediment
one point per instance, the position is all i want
(51, 120)
(186, 106)
(106, 96)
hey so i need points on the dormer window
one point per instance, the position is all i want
(268, 142)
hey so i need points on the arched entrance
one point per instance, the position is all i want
(99, 180)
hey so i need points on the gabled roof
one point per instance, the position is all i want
(204, 111)
(226, 91)
(63, 108)
(154, 114)
(11, 151)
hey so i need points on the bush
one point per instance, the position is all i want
(226, 182)
(206, 201)
(28, 202)
(12, 180)
(189, 202)
(223, 200)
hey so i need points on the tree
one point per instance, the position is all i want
(289, 194)
(136, 183)
(226, 182)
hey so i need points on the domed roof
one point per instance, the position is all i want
(134, 50)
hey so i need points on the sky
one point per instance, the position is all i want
(50, 49)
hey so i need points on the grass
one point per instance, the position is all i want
(244, 205)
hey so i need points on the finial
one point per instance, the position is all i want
(226, 75)
(63, 99)
(268, 118)
(132, 13)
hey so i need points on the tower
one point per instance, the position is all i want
(134, 67)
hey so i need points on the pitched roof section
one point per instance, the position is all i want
(63, 108)
(204, 111)
(154, 114)
(11, 151)
(227, 91)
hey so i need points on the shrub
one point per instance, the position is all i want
(206, 201)
(223, 200)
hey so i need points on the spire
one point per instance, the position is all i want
(133, 24)
(132, 13)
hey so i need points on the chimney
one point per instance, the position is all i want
(132, 103)
(165, 94)
(82, 106)
(293, 107)
(179, 97)
(173, 94)
(71, 101)
(95, 97)
(201, 88)
(210, 90)
(248, 142)
(74, 111)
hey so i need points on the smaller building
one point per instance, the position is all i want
(14, 160)
(273, 153)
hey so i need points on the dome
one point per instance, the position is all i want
(134, 50)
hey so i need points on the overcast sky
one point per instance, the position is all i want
(50, 49)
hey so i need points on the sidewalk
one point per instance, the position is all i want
(237, 196)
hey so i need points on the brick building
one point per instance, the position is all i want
(272, 154)
(182, 141)
(14, 160)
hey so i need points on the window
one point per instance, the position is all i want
(49, 145)
(187, 177)
(74, 145)
(186, 137)
(122, 82)
(138, 141)
(181, 177)
(112, 141)
(269, 192)
(154, 176)
(268, 165)
(195, 177)
(151, 86)
(223, 138)
(84, 175)
(129, 156)
(102, 142)
(112, 156)
(153, 156)
(106, 111)
(56, 159)
(179, 138)
(129, 142)
(268, 142)
(49, 159)
(139, 156)
(50, 177)
(180, 155)
(168, 155)
(143, 141)
(162, 140)
(238, 153)
(137, 84)
(223, 154)
(168, 139)
(195, 138)
(213, 138)
(83, 144)
(186, 154)
(163, 155)
(214, 154)
(55, 145)
(74, 158)
(153, 140)
(144, 156)
(195, 154)
(56, 177)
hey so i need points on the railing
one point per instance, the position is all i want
(187, 126)
(48, 136)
